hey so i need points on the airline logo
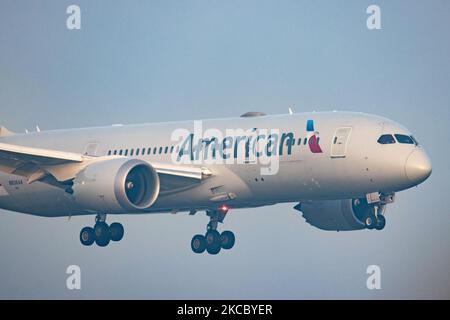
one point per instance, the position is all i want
(239, 146)
(313, 137)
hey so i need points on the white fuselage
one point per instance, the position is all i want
(352, 163)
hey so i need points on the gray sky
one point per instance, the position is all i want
(144, 61)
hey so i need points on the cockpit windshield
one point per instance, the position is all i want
(402, 138)
(386, 139)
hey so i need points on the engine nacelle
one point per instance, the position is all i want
(116, 186)
(336, 215)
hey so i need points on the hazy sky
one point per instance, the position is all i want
(144, 61)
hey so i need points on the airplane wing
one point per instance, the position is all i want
(29, 162)
(17, 153)
(36, 163)
(174, 178)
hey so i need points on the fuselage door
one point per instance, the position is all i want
(340, 141)
(91, 149)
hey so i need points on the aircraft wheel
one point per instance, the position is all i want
(117, 231)
(381, 222)
(87, 236)
(198, 243)
(227, 240)
(213, 250)
(370, 222)
(102, 234)
(212, 238)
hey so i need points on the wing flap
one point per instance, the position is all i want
(35, 163)
(37, 155)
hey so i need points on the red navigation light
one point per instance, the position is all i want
(224, 208)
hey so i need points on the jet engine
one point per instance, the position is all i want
(336, 215)
(116, 186)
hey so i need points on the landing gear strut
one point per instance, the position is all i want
(375, 218)
(101, 233)
(213, 241)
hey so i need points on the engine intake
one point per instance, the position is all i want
(117, 186)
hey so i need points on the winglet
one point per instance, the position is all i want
(5, 132)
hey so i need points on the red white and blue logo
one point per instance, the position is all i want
(313, 137)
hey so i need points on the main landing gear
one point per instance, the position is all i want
(213, 241)
(101, 233)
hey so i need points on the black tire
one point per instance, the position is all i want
(87, 236)
(198, 243)
(213, 250)
(370, 222)
(102, 234)
(117, 231)
(212, 239)
(381, 222)
(227, 240)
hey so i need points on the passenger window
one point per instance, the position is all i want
(386, 139)
(402, 138)
(120, 152)
(171, 149)
(149, 150)
(109, 152)
(131, 152)
(137, 151)
(160, 150)
(167, 149)
(115, 152)
(126, 152)
(154, 150)
(304, 141)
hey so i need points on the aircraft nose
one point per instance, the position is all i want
(418, 166)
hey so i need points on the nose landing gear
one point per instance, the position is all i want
(213, 241)
(375, 218)
(375, 222)
(381, 222)
(102, 233)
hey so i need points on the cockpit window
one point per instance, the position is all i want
(386, 139)
(402, 138)
(415, 141)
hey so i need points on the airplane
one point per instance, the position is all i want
(340, 168)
